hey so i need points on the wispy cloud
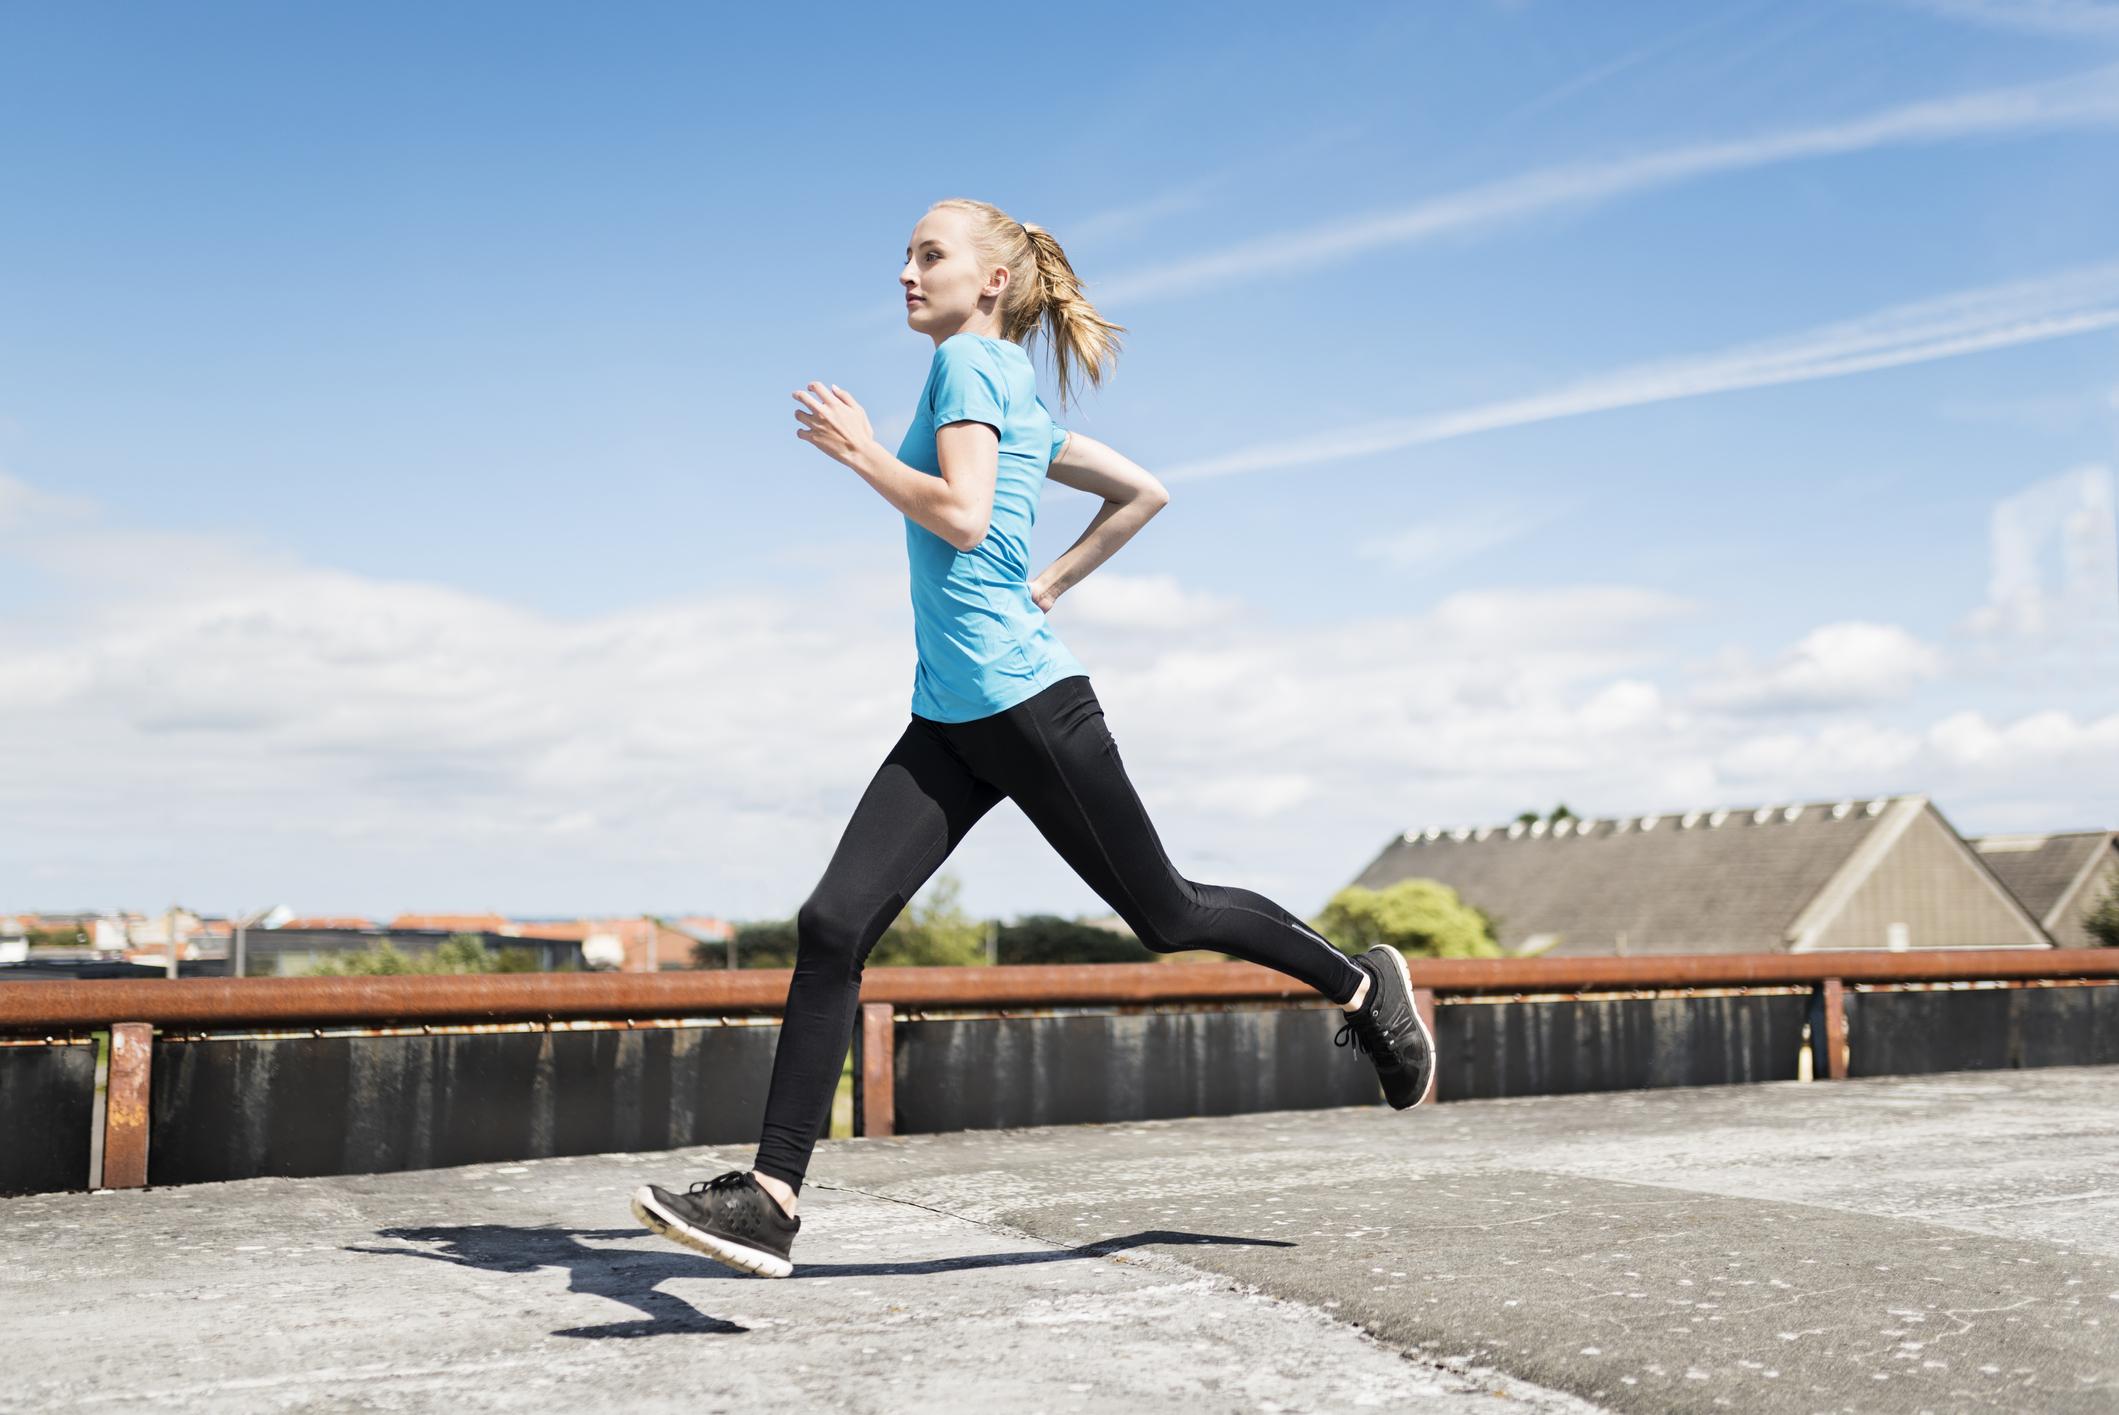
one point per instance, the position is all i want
(2068, 18)
(1583, 82)
(1446, 540)
(2086, 99)
(1119, 222)
(2055, 568)
(1966, 322)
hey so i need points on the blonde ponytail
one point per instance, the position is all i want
(1044, 295)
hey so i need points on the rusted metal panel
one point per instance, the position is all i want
(1911, 1032)
(222, 1002)
(982, 1073)
(1834, 994)
(1493, 1049)
(47, 1108)
(125, 1096)
(234, 1108)
(874, 1072)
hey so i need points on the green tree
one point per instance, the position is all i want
(766, 943)
(1559, 813)
(2103, 919)
(936, 933)
(1420, 917)
(458, 953)
(1048, 938)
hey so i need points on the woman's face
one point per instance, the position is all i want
(943, 282)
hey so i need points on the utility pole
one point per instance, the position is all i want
(243, 921)
(169, 921)
(993, 942)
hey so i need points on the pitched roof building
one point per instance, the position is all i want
(1883, 873)
(2060, 878)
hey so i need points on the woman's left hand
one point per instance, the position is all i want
(832, 422)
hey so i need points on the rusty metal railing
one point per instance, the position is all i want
(131, 1010)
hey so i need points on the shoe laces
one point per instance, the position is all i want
(1364, 1030)
(734, 1179)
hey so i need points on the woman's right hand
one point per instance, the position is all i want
(1043, 597)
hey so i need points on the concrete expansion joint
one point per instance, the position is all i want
(1461, 1367)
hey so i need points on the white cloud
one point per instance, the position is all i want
(2052, 306)
(1833, 666)
(1145, 604)
(1255, 795)
(1624, 705)
(22, 504)
(2055, 560)
(1836, 757)
(2037, 741)
(234, 725)
(2088, 99)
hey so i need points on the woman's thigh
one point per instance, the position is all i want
(1056, 759)
(918, 806)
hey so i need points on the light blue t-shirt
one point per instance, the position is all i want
(983, 643)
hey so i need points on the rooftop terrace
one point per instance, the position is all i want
(1946, 1242)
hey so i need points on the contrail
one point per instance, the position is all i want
(2087, 99)
(1967, 322)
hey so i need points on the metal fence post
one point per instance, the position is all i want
(1424, 1004)
(1828, 1033)
(874, 1078)
(125, 1099)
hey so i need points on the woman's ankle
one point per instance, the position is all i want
(1353, 1004)
(779, 1189)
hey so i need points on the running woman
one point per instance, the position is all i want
(1000, 708)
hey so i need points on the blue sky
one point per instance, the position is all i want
(1647, 407)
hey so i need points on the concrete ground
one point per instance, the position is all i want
(1942, 1243)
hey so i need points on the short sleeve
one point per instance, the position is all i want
(1059, 440)
(965, 386)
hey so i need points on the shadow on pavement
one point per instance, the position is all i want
(633, 1276)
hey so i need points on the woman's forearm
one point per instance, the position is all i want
(1114, 525)
(929, 500)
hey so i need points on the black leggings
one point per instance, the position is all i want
(1052, 755)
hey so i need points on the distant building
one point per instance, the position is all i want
(24, 925)
(455, 923)
(2059, 877)
(1887, 873)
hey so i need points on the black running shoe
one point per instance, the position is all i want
(1390, 1029)
(730, 1218)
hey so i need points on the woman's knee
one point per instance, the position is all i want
(1179, 926)
(827, 931)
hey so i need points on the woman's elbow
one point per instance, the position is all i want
(969, 535)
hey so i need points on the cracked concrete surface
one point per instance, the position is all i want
(1940, 1243)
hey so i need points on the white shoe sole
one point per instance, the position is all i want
(721, 1250)
(1405, 976)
